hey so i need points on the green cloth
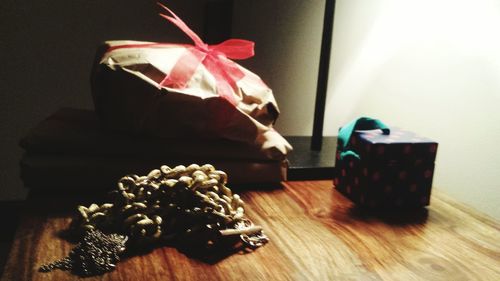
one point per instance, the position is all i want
(362, 123)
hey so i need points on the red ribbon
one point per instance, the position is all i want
(215, 58)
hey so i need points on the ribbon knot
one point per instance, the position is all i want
(215, 58)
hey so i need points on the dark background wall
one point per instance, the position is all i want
(47, 49)
(46, 53)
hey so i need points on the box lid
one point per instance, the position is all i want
(400, 146)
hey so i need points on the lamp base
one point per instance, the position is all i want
(306, 164)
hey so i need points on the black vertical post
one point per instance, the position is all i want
(218, 20)
(324, 65)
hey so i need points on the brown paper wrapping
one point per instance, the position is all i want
(127, 96)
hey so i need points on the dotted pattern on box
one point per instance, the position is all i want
(394, 170)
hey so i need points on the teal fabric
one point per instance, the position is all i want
(362, 123)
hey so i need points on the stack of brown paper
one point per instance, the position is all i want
(72, 149)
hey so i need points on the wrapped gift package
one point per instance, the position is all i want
(187, 91)
(161, 104)
(389, 168)
(72, 144)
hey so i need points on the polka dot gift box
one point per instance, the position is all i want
(381, 167)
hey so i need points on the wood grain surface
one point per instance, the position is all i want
(316, 234)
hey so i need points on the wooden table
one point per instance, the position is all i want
(316, 234)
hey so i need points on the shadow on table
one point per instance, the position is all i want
(193, 251)
(242, 188)
(395, 217)
(192, 247)
(9, 215)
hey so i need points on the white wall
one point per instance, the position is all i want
(287, 35)
(432, 66)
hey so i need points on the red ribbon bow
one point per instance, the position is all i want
(213, 57)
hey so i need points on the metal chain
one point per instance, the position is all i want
(98, 253)
(62, 264)
(148, 208)
(181, 202)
